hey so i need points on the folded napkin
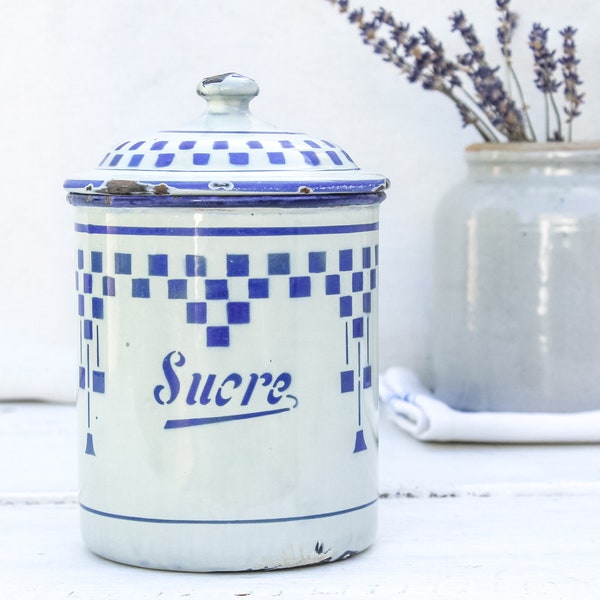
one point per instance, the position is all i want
(411, 406)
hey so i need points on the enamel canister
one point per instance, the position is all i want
(227, 297)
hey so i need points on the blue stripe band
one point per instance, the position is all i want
(225, 231)
(336, 513)
(266, 199)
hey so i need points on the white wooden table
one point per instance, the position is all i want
(456, 521)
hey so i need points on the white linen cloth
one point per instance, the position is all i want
(413, 408)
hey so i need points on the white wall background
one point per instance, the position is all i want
(78, 77)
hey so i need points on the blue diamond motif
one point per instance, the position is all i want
(122, 263)
(158, 264)
(317, 262)
(195, 265)
(216, 289)
(346, 381)
(238, 265)
(140, 288)
(217, 336)
(96, 262)
(97, 308)
(108, 286)
(238, 313)
(279, 264)
(177, 288)
(258, 288)
(332, 284)
(98, 382)
(299, 287)
(196, 312)
(346, 306)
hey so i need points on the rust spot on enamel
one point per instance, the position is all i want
(123, 187)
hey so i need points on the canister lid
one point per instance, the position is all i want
(226, 152)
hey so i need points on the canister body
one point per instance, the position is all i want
(227, 384)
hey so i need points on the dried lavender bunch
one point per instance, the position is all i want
(419, 56)
(504, 33)
(569, 63)
(544, 68)
(487, 103)
(491, 96)
(508, 23)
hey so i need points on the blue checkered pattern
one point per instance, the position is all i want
(347, 276)
(104, 275)
(241, 150)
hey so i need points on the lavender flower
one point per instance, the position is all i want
(545, 63)
(569, 63)
(460, 24)
(508, 23)
(491, 96)
(489, 107)
(421, 57)
(504, 33)
(544, 69)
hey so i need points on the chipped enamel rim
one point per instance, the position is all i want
(227, 152)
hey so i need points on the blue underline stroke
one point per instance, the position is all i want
(226, 521)
(177, 423)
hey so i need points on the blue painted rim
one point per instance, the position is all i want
(228, 187)
(296, 201)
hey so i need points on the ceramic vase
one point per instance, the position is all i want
(517, 283)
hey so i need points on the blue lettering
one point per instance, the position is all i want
(250, 389)
(281, 384)
(205, 397)
(220, 390)
(236, 380)
(171, 377)
(267, 378)
(191, 397)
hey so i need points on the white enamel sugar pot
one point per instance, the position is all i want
(227, 298)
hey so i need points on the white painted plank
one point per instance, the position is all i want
(408, 466)
(38, 450)
(506, 548)
(38, 453)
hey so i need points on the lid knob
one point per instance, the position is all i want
(229, 93)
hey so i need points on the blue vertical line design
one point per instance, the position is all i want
(347, 352)
(358, 386)
(80, 342)
(88, 409)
